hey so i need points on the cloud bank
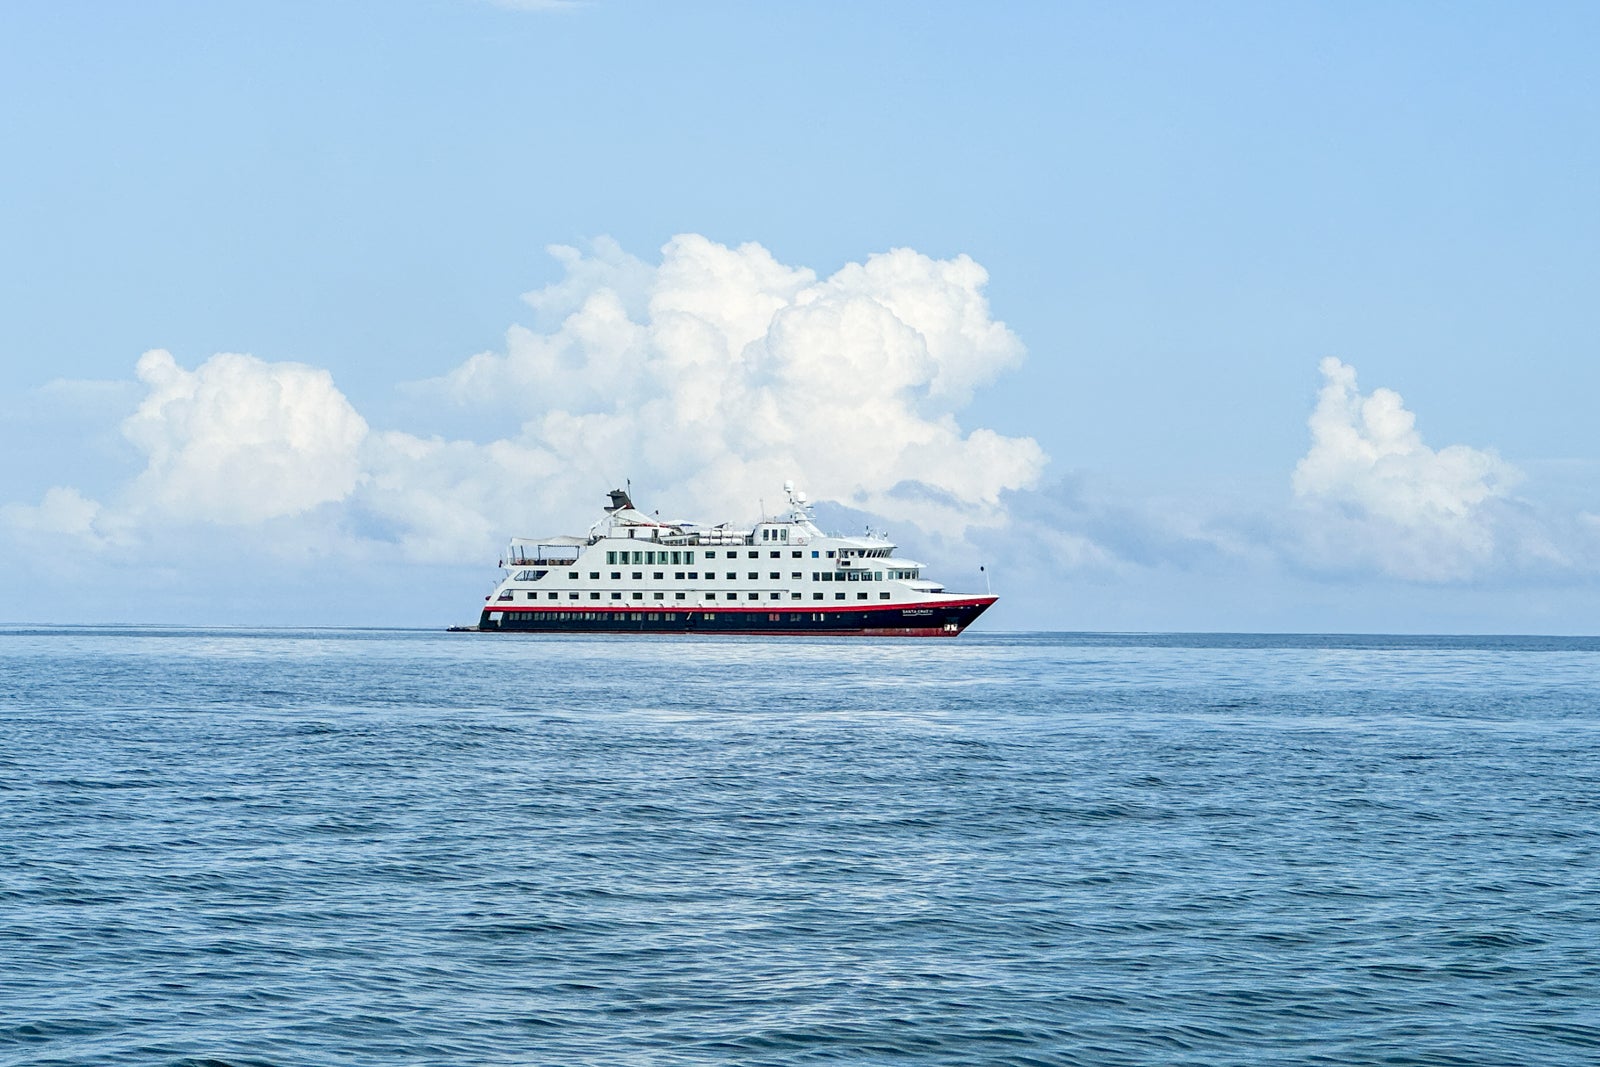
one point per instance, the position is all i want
(712, 374)
(707, 379)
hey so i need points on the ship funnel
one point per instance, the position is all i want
(619, 500)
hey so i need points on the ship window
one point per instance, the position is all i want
(877, 576)
(766, 534)
(861, 596)
(827, 576)
(671, 615)
(677, 558)
(711, 596)
(851, 576)
(594, 575)
(553, 596)
(616, 576)
(657, 575)
(688, 557)
(638, 596)
(677, 596)
(711, 615)
(774, 574)
(572, 596)
(813, 553)
(594, 596)
(732, 576)
(794, 596)
(654, 616)
(816, 596)
(677, 576)
(796, 575)
(572, 574)
(659, 596)
(784, 534)
(507, 595)
(838, 596)
(777, 555)
(636, 616)
(611, 557)
(774, 596)
(638, 558)
(755, 555)
(694, 576)
(616, 596)
(709, 555)
(637, 575)
(795, 555)
(754, 575)
(830, 553)
(883, 596)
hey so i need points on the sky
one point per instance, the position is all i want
(1221, 317)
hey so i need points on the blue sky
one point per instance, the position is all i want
(1179, 212)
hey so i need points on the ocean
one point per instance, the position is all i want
(346, 847)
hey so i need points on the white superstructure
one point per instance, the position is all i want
(783, 566)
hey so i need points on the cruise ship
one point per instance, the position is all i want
(635, 573)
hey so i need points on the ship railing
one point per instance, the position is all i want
(523, 559)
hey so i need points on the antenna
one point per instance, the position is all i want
(984, 571)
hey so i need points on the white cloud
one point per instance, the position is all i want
(1375, 494)
(63, 511)
(714, 376)
(239, 440)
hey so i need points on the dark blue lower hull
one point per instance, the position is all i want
(927, 620)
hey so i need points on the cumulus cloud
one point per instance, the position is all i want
(1374, 493)
(239, 440)
(720, 372)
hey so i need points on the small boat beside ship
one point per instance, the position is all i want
(635, 573)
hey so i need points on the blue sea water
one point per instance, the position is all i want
(370, 847)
